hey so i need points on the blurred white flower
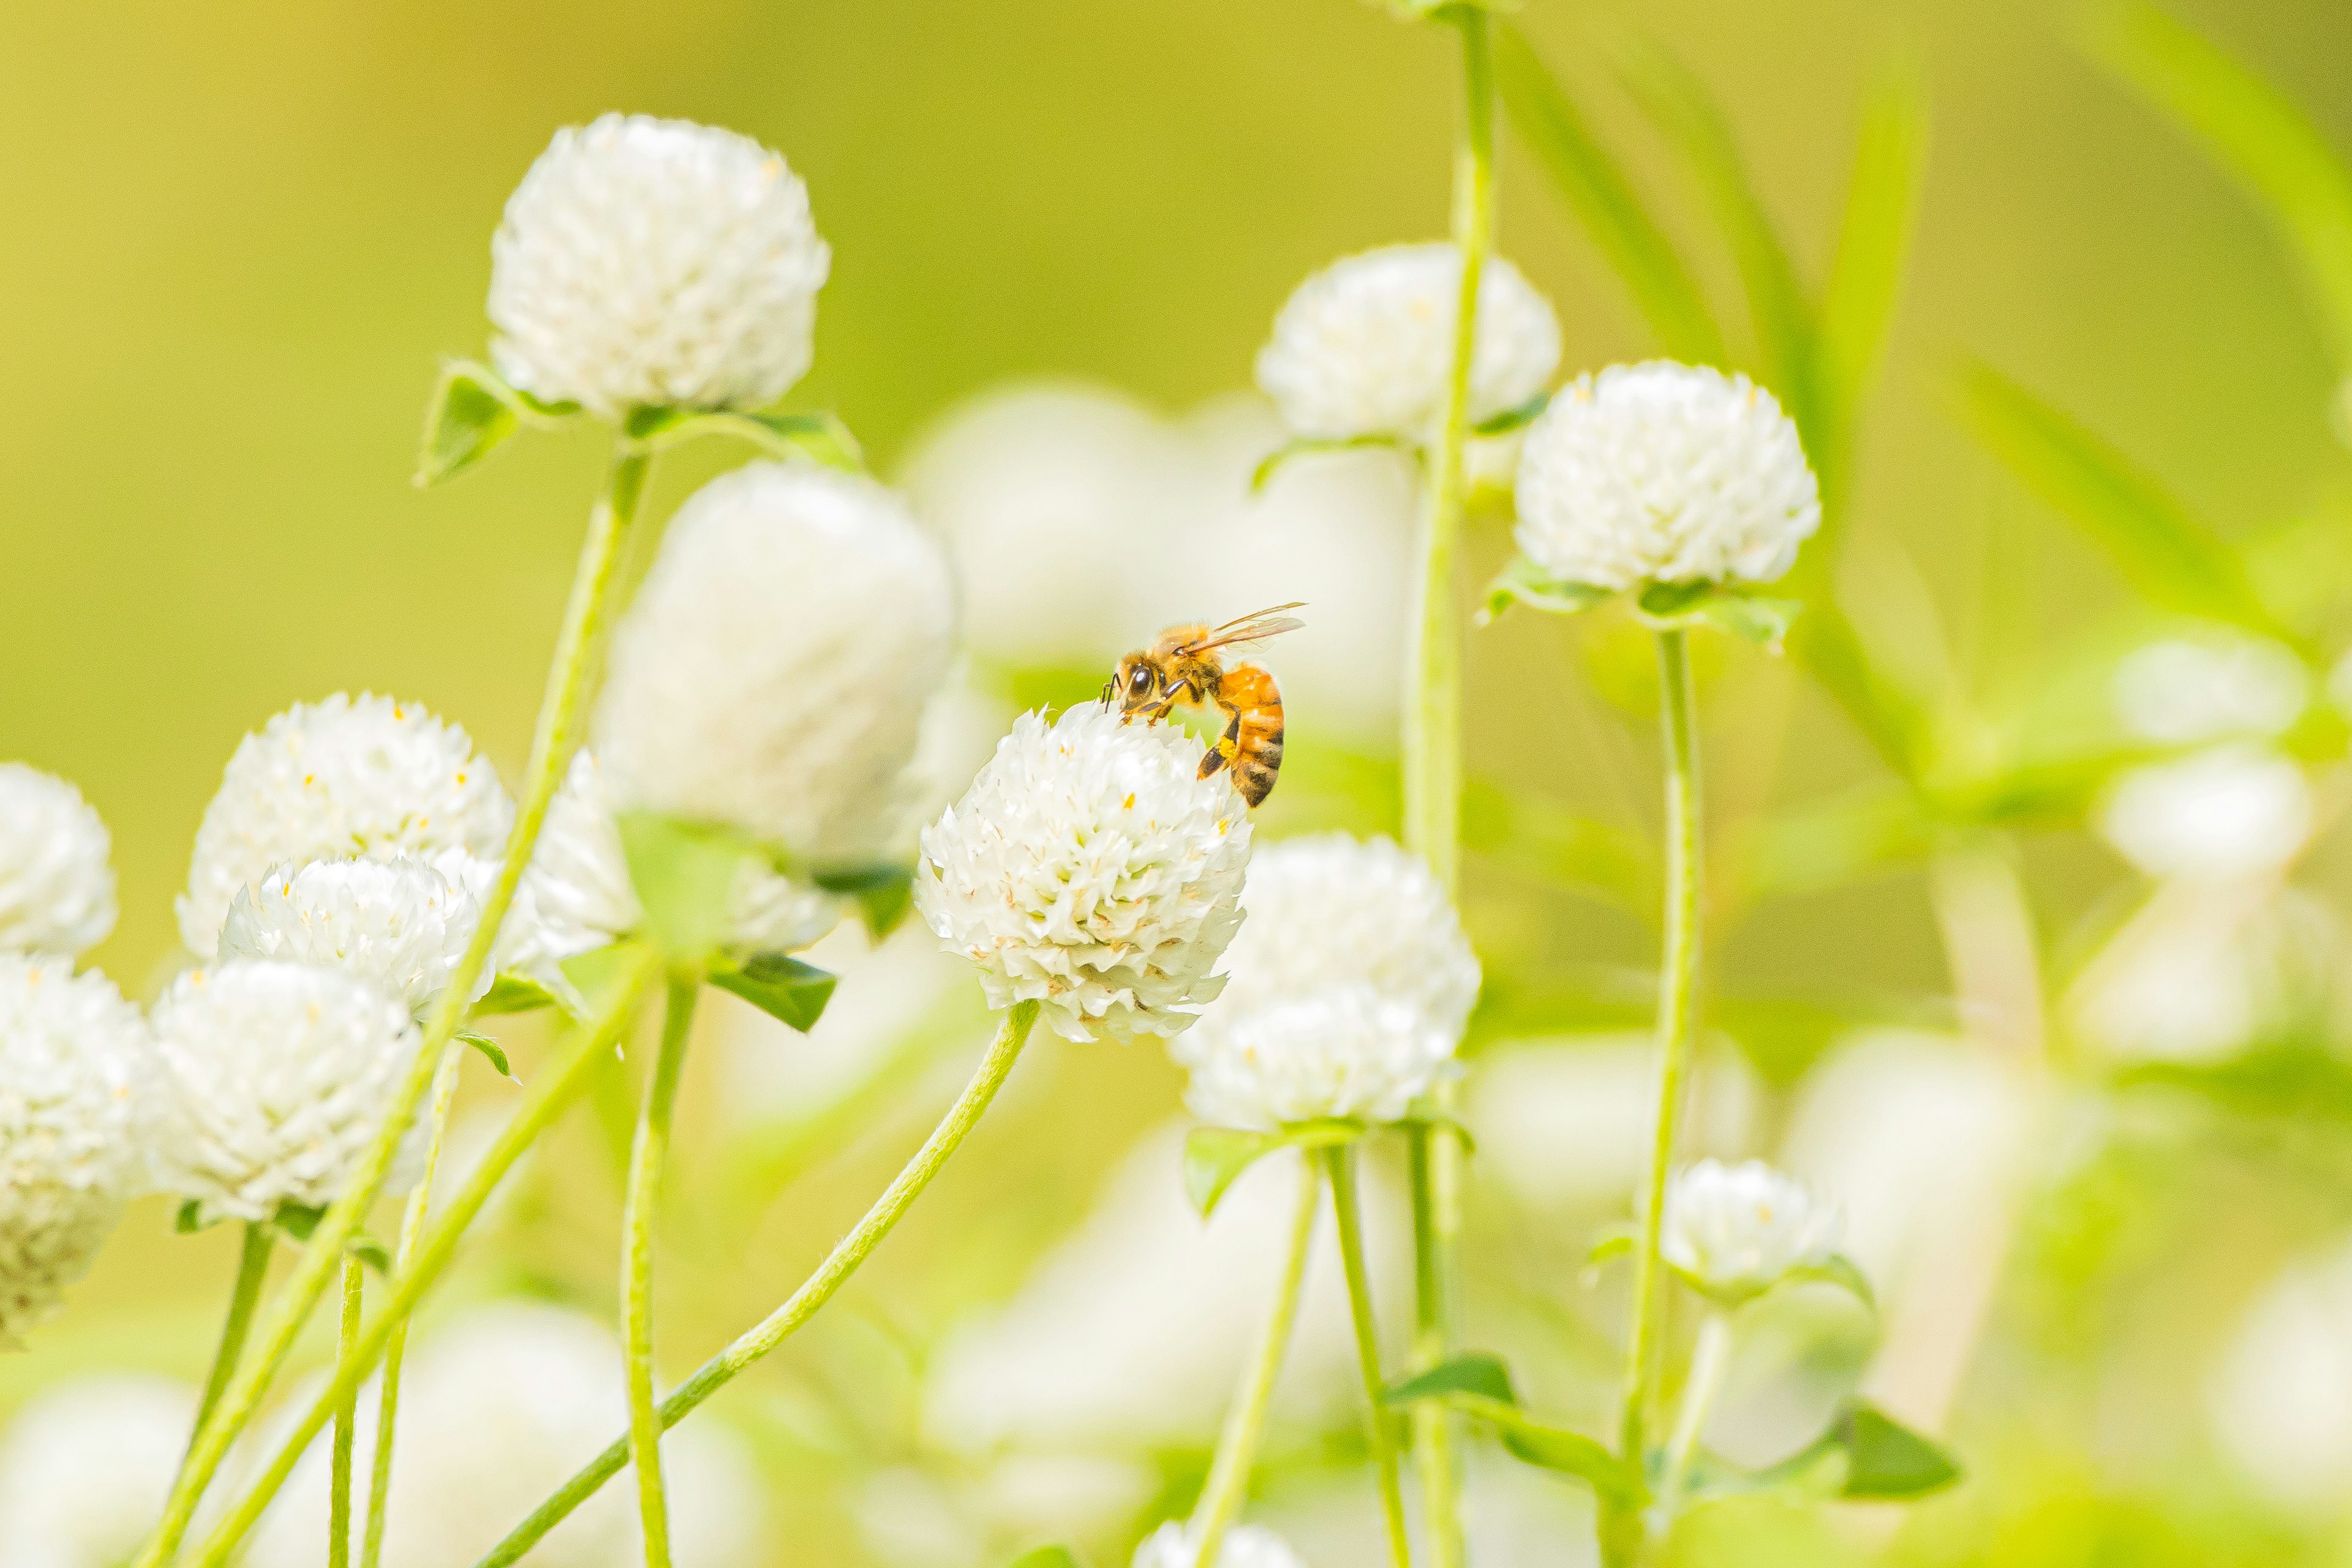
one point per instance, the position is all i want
(1347, 989)
(1739, 1229)
(1243, 1546)
(2228, 811)
(496, 1411)
(2280, 1395)
(398, 924)
(1566, 1122)
(1664, 473)
(1365, 347)
(275, 1079)
(2205, 968)
(85, 1466)
(2183, 691)
(361, 777)
(1091, 869)
(773, 671)
(656, 263)
(57, 886)
(75, 1063)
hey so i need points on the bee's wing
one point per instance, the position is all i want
(1256, 626)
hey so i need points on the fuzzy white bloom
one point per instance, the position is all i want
(1347, 990)
(1091, 869)
(275, 1079)
(363, 777)
(656, 263)
(85, 1467)
(2280, 1394)
(1365, 347)
(1740, 1228)
(1664, 473)
(1243, 1546)
(2229, 811)
(75, 1059)
(57, 886)
(773, 670)
(398, 924)
(2183, 691)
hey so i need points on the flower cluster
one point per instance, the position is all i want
(1735, 1230)
(56, 885)
(1243, 1546)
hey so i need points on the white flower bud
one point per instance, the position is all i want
(361, 777)
(1664, 473)
(1347, 990)
(57, 888)
(86, 1466)
(656, 263)
(276, 1078)
(1739, 1229)
(773, 670)
(1365, 347)
(398, 924)
(1243, 1546)
(75, 1059)
(1091, 869)
(2229, 811)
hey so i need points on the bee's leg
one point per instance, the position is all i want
(1215, 759)
(1225, 748)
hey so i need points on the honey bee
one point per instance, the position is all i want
(1182, 667)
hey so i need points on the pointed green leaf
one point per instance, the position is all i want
(297, 1220)
(1305, 446)
(1511, 419)
(1525, 582)
(1842, 1272)
(1669, 601)
(1885, 1459)
(1764, 622)
(490, 1049)
(512, 992)
(190, 1219)
(781, 987)
(820, 436)
(1215, 1156)
(1555, 1448)
(371, 1252)
(685, 874)
(472, 413)
(1618, 1241)
(1478, 1374)
(883, 893)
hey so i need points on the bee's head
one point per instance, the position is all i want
(1136, 684)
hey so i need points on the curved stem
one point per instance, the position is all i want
(1229, 1473)
(396, 1347)
(1339, 1165)
(803, 1304)
(1710, 1360)
(339, 1491)
(646, 1160)
(252, 1265)
(552, 1088)
(561, 711)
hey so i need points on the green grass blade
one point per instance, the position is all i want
(1605, 203)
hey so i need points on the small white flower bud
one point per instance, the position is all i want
(656, 263)
(398, 924)
(57, 888)
(1664, 473)
(1091, 869)
(1243, 1546)
(772, 673)
(1739, 1229)
(86, 1466)
(1365, 347)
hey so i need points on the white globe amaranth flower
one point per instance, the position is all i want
(276, 1076)
(656, 263)
(1346, 993)
(773, 671)
(1243, 1546)
(75, 1060)
(1739, 1229)
(398, 924)
(2228, 811)
(1664, 473)
(85, 1466)
(2183, 691)
(365, 777)
(56, 884)
(1090, 868)
(1365, 347)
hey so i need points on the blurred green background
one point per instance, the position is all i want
(237, 241)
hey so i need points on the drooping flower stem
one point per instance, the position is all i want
(1339, 1166)
(339, 1487)
(1710, 1360)
(252, 1265)
(1229, 1473)
(646, 1157)
(803, 1303)
(1433, 769)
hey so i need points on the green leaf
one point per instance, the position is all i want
(1764, 622)
(513, 992)
(1215, 1156)
(883, 893)
(821, 436)
(1618, 1241)
(297, 1220)
(489, 1048)
(1476, 1373)
(371, 1252)
(1049, 1557)
(1605, 204)
(190, 1219)
(685, 874)
(1306, 445)
(1841, 1271)
(1670, 600)
(1525, 582)
(2285, 1082)
(781, 987)
(1555, 1448)
(472, 413)
(1887, 1459)
(1511, 419)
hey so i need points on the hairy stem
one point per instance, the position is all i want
(1340, 1165)
(803, 1304)
(1229, 1473)
(339, 1489)
(252, 1265)
(646, 1161)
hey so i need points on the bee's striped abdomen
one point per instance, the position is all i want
(1252, 743)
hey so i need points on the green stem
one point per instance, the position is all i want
(252, 1265)
(646, 1160)
(1710, 1360)
(553, 1088)
(338, 1492)
(814, 1292)
(1677, 1009)
(1229, 1474)
(396, 1347)
(1339, 1166)
(561, 711)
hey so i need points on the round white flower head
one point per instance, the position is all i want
(361, 777)
(1365, 347)
(275, 1079)
(398, 924)
(1739, 1229)
(84, 1469)
(2185, 690)
(1664, 473)
(74, 1061)
(1244, 1546)
(773, 670)
(656, 263)
(2229, 811)
(1091, 869)
(1347, 990)
(57, 886)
